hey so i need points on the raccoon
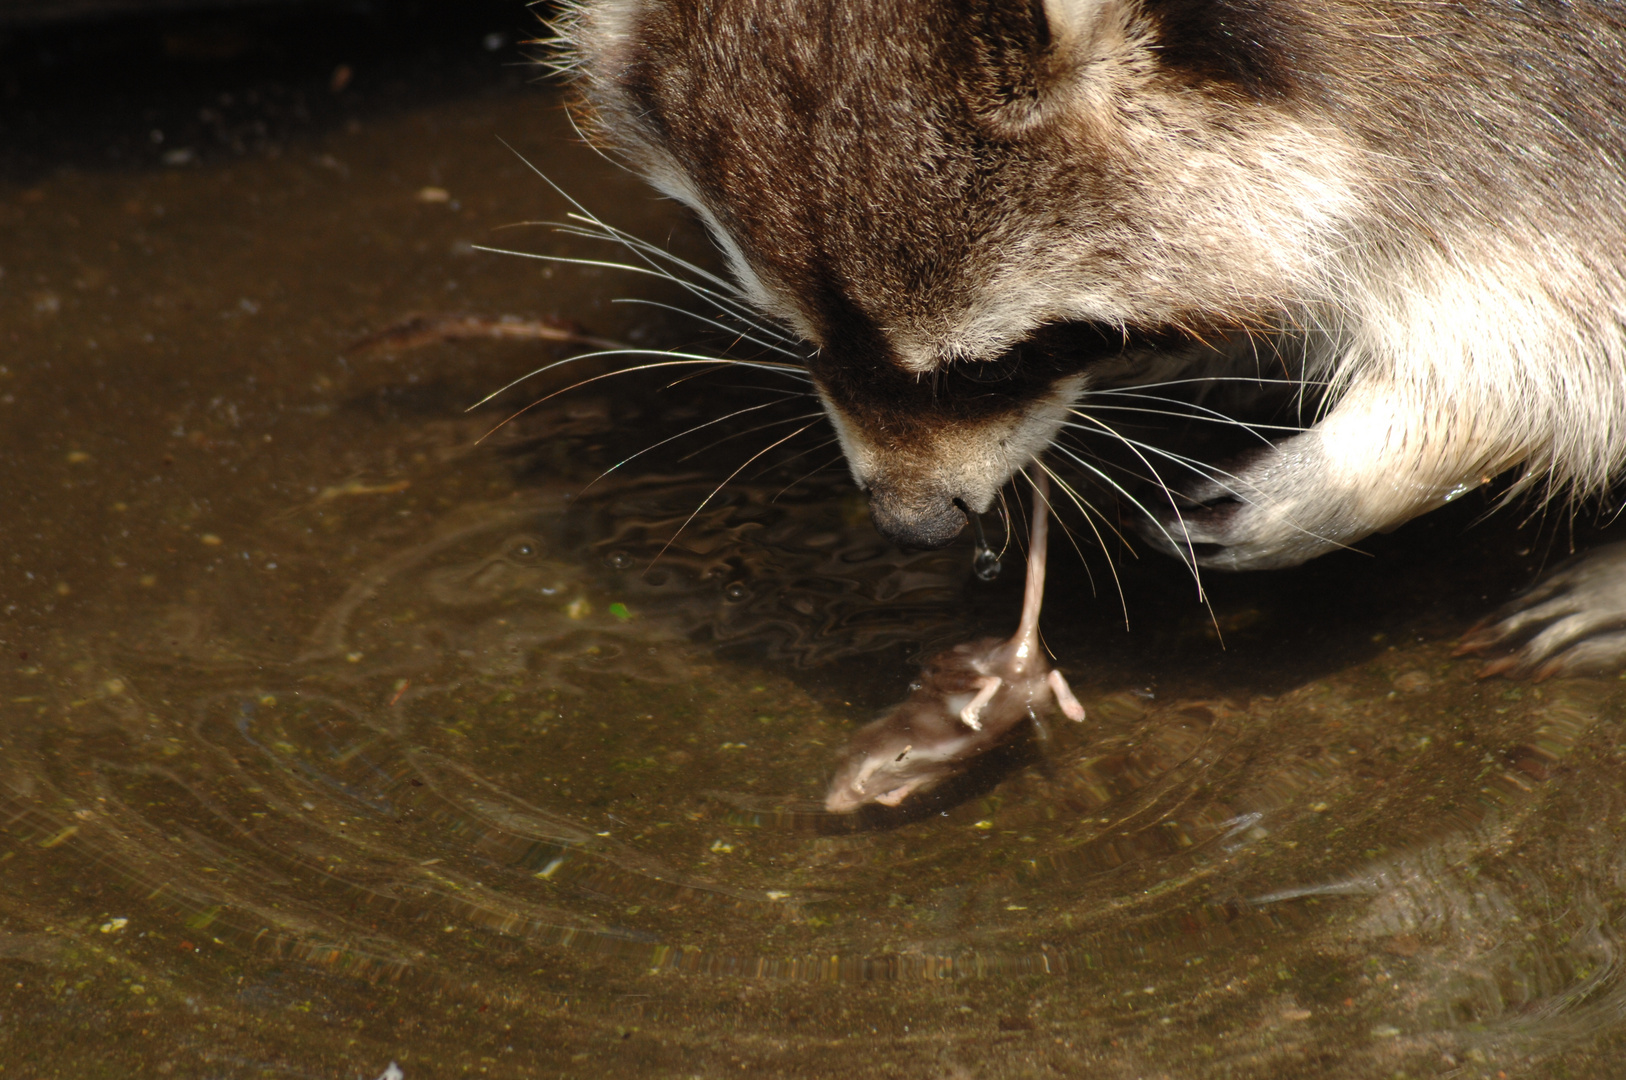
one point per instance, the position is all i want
(975, 211)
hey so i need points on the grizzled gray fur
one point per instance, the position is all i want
(977, 210)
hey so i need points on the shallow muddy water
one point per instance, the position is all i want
(337, 733)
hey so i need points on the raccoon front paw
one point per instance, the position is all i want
(1573, 622)
(1269, 510)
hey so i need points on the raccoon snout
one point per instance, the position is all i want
(916, 523)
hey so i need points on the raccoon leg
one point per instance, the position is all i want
(1253, 513)
(1380, 457)
(1574, 621)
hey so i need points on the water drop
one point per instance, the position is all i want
(618, 560)
(985, 563)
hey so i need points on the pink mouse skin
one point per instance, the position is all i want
(967, 700)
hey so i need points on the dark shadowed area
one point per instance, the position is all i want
(344, 724)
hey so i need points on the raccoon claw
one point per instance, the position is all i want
(1285, 504)
(1573, 622)
(1194, 532)
(1192, 520)
(1232, 519)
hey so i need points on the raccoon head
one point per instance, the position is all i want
(960, 204)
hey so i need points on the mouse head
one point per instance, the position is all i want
(889, 760)
(887, 776)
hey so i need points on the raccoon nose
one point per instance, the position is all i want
(916, 523)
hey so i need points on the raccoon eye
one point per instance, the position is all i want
(1073, 344)
(1002, 368)
(1050, 351)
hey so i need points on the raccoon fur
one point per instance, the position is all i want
(976, 210)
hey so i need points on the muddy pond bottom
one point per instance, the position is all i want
(343, 727)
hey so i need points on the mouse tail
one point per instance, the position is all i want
(1038, 541)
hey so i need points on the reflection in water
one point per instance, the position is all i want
(482, 758)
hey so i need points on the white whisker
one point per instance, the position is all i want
(1203, 413)
(1209, 472)
(680, 435)
(1004, 523)
(724, 327)
(724, 296)
(1081, 447)
(581, 213)
(592, 379)
(737, 310)
(723, 285)
(1174, 544)
(815, 472)
(677, 360)
(719, 487)
(1201, 468)
(1190, 547)
(1085, 509)
(1255, 380)
(750, 431)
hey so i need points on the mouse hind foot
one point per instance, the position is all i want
(1070, 707)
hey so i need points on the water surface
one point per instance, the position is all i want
(343, 726)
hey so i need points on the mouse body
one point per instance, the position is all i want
(968, 699)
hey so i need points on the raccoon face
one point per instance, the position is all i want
(960, 204)
(931, 446)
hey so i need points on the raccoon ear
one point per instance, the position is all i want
(1062, 39)
(1079, 32)
(1068, 23)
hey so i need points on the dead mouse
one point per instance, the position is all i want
(967, 700)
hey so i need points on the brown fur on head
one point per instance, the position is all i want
(965, 205)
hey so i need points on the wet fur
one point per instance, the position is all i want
(976, 211)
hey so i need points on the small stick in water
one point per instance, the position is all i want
(421, 330)
(968, 699)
